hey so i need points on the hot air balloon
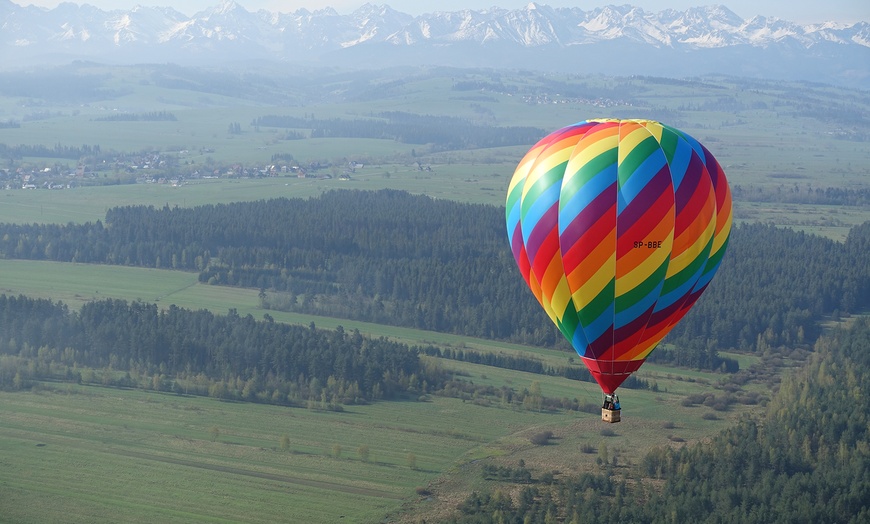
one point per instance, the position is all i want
(617, 227)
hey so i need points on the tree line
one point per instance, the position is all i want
(20, 151)
(442, 132)
(150, 116)
(795, 194)
(136, 345)
(529, 365)
(394, 258)
(805, 460)
(227, 356)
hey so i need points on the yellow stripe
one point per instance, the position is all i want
(719, 240)
(557, 301)
(647, 350)
(591, 151)
(595, 283)
(631, 140)
(544, 165)
(654, 128)
(519, 177)
(635, 277)
(561, 296)
(679, 262)
(524, 167)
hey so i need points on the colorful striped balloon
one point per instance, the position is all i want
(617, 227)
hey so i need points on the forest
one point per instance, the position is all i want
(393, 258)
(805, 460)
(230, 357)
(57, 151)
(443, 132)
(197, 352)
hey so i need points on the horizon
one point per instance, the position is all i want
(841, 11)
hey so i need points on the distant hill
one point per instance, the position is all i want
(616, 40)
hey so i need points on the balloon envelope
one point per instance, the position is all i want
(617, 227)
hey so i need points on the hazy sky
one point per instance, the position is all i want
(801, 11)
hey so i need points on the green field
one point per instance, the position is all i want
(84, 454)
(103, 454)
(80, 454)
(75, 453)
(772, 135)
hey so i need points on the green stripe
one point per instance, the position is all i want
(599, 304)
(679, 278)
(512, 199)
(551, 177)
(669, 143)
(646, 287)
(646, 148)
(569, 321)
(716, 257)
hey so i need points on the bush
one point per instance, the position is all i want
(542, 438)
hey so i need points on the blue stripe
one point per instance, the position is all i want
(513, 218)
(580, 342)
(680, 162)
(635, 311)
(597, 327)
(637, 181)
(691, 141)
(540, 206)
(585, 195)
(679, 293)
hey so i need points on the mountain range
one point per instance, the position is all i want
(620, 40)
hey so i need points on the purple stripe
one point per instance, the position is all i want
(634, 327)
(542, 229)
(589, 216)
(638, 207)
(517, 242)
(689, 184)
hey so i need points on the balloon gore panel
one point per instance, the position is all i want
(617, 227)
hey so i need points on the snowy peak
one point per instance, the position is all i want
(229, 31)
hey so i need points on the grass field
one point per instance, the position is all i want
(73, 453)
(771, 135)
(84, 454)
(102, 454)
(480, 183)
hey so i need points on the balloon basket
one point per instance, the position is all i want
(610, 415)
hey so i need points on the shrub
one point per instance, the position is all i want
(542, 438)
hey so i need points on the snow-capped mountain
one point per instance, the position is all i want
(612, 39)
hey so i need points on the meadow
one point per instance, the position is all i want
(77, 453)
(774, 135)
(113, 454)
(85, 453)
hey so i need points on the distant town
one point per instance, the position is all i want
(157, 168)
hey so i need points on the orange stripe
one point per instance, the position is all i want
(593, 260)
(601, 231)
(690, 236)
(637, 256)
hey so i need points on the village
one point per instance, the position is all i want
(157, 168)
